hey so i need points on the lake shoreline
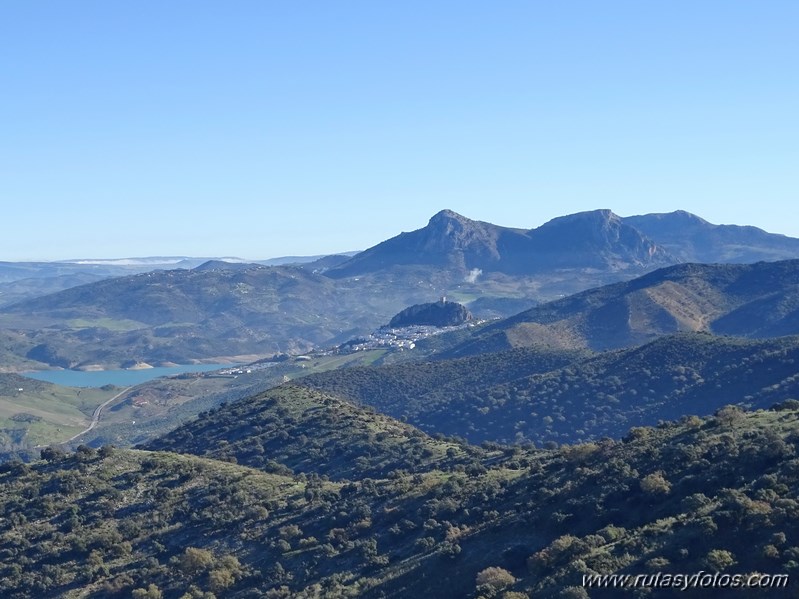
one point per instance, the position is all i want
(221, 361)
(120, 377)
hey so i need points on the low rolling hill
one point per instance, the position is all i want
(296, 429)
(186, 315)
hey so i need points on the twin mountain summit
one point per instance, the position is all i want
(596, 407)
(590, 240)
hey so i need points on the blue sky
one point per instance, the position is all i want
(267, 128)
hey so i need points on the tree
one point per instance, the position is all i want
(52, 454)
(729, 416)
(84, 453)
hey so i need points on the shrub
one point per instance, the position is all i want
(195, 560)
(495, 578)
(52, 454)
(719, 559)
(574, 593)
(151, 592)
(655, 484)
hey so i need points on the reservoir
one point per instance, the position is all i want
(120, 378)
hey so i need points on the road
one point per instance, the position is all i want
(96, 416)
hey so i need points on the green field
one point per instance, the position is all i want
(36, 413)
(332, 362)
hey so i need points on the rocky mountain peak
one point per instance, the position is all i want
(689, 217)
(668, 221)
(450, 224)
(599, 239)
(590, 218)
(446, 216)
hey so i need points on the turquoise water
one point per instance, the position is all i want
(120, 378)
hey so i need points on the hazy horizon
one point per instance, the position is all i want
(229, 257)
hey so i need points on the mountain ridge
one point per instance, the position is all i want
(594, 239)
(691, 238)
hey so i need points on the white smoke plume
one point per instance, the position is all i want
(473, 274)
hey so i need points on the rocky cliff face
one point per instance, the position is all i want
(448, 241)
(597, 239)
(438, 314)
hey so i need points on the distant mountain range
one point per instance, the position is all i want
(184, 315)
(118, 267)
(219, 308)
(20, 281)
(98, 267)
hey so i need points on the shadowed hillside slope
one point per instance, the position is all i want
(565, 398)
(753, 300)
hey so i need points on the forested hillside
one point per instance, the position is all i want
(543, 397)
(295, 429)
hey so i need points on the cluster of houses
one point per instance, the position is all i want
(402, 338)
